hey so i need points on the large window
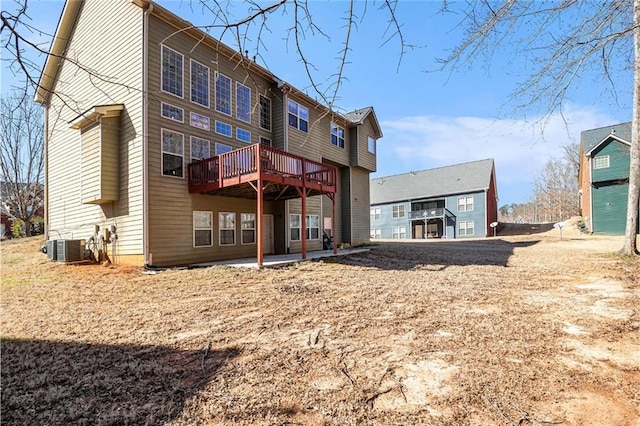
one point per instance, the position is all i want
(202, 229)
(172, 112)
(294, 227)
(465, 227)
(171, 71)
(200, 148)
(200, 121)
(337, 135)
(172, 153)
(399, 232)
(465, 204)
(265, 113)
(227, 223)
(371, 144)
(298, 116)
(376, 233)
(248, 228)
(398, 211)
(222, 148)
(223, 129)
(199, 83)
(243, 135)
(601, 162)
(313, 227)
(223, 94)
(243, 102)
(375, 213)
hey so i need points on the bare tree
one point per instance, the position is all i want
(22, 154)
(562, 39)
(556, 190)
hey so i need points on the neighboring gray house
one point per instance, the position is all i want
(458, 201)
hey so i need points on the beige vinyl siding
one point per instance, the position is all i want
(101, 161)
(108, 38)
(364, 158)
(360, 214)
(314, 207)
(91, 159)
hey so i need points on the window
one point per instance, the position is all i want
(200, 148)
(337, 135)
(243, 102)
(248, 228)
(243, 135)
(375, 233)
(399, 232)
(398, 211)
(294, 227)
(265, 141)
(222, 148)
(465, 227)
(223, 94)
(172, 112)
(223, 128)
(371, 145)
(265, 113)
(298, 116)
(202, 229)
(465, 204)
(199, 121)
(227, 222)
(375, 213)
(313, 227)
(172, 153)
(171, 71)
(199, 83)
(601, 162)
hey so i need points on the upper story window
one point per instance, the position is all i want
(375, 213)
(337, 135)
(199, 121)
(172, 71)
(601, 162)
(223, 128)
(265, 113)
(465, 204)
(398, 210)
(172, 112)
(222, 148)
(371, 144)
(243, 102)
(264, 141)
(200, 148)
(298, 116)
(172, 153)
(199, 83)
(223, 94)
(243, 135)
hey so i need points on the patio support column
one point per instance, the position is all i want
(332, 197)
(259, 208)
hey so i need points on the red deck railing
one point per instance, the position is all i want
(273, 163)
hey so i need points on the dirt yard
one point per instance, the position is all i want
(513, 331)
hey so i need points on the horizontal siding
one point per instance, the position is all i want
(90, 181)
(117, 79)
(360, 214)
(110, 158)
(366, 159)
(619, 162)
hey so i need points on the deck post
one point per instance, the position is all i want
(259, 209)
(333, 224)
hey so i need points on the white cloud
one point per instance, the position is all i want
(519, 147)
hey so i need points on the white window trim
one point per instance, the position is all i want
(371, 142)
(238, 84)
(297, 116)
(270, 113)
(215, 94)
(215, 151)
(466, 228)
(603, 158)
(191, 138)
(308, 221)
(238, 129)
(375, 233)
(335, 126)
(255, 236)
(162, 151)
(399, 232)
(215, 129)
(192, 113)
(208, 105)
(210, 213)
(466, 204)
(162, 104)
(376, 213)
(162, 46)
(264, 141)
(299, 228)
(220, 229)
(396, 207)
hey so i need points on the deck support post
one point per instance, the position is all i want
(259, 210)
(332, 197)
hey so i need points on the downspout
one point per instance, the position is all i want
(590, 196)
(486, 218)
(145, 136)
(285, 133)
(46, 171)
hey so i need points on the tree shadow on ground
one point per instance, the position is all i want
(434, 254)
(61, 383)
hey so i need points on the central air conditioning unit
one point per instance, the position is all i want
(52, 252)
(70, 250)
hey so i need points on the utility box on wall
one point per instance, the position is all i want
(70, 250)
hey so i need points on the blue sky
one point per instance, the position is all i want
(429, 118)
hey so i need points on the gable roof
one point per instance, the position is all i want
(448, 180)
(589, 139)
(358, 116)
(605, 140)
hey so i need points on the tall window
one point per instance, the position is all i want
(200, 148)
(243, 102)
(313, 227)
(294, 227)
(227, 223)
(465, 204)
(172, 153)
(375, 213)
(202, 229)
(171, 71)
(265, 112)
(298, 116)
(465, 227)
(337, 135)
(371, 143)
(399, 232)
(172, 112)
(223, 94)
(398, 211)
(248, 228)
(601, 162)
(199, 83)
(375, 233)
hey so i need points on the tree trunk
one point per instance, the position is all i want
(633, 204)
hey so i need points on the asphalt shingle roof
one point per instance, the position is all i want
(456, 179)
(592, 137)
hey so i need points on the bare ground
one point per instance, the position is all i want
(513, 331)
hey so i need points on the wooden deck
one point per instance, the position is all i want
(283, 175)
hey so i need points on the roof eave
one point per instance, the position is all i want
(611, 136)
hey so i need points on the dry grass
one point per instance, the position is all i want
(520, 331)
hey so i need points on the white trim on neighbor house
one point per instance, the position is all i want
(611, 136)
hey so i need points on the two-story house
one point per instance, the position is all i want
(187, 151)
(604, 177)
(458, 201)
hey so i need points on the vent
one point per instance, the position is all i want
(52, 252)
(70, 250)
